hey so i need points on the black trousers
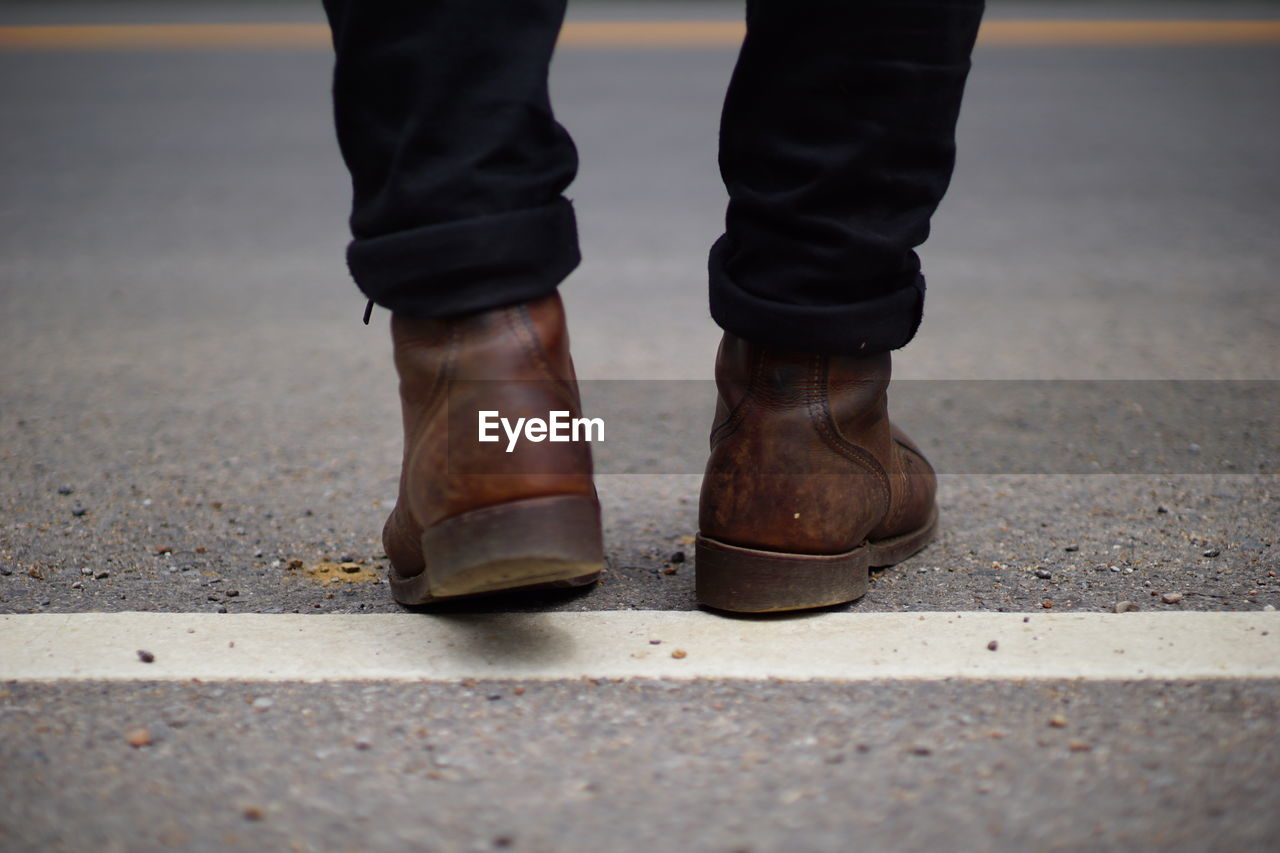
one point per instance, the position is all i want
(837, 142)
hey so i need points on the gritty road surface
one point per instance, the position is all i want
(195, 421)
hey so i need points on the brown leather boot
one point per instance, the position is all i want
(472, 517)
(808, 484)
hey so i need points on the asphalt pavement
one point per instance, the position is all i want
(194, 420)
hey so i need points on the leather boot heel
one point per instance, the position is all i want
(550, 541)
(808, 483)
(744, 580)
(472, 516)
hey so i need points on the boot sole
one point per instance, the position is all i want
(747, 580)
(533, 543)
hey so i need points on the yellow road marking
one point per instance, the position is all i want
(1083, 32)
(650, 34)
(164, 36)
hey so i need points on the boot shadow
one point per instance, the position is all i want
(505, 628)
(506, 638)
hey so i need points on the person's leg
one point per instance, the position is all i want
(461, 229)
(457, 164)
(837, 143)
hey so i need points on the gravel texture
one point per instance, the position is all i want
(1099, 539)
(641, 765)
(190, 409)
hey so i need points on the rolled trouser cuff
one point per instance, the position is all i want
(878, 324)
(472, 265)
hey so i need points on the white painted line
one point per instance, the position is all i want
(605, 644)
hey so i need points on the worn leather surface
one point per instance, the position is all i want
(512, 360)
(803, 457)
